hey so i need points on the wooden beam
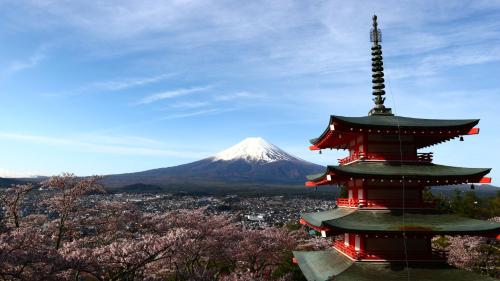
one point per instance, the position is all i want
(310, 183)
(473, 131)
(313, 147)
(485, 180)
(317, 228)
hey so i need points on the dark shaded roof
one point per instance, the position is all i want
(404, 122)
(383, 221)
(321, 265)
(388, 169)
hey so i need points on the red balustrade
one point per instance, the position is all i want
(421, 157)
(351, 158)
(383, 203)
(346, 202)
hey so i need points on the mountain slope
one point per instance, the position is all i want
(253, 160)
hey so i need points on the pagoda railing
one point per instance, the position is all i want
(383, 203)
(361, 156)
(346, 202)
(351, 158)
(388, 255)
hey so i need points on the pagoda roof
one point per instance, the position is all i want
(323, 265)
(393, 221)
(437, 174)
(403, 122)
(426, 131)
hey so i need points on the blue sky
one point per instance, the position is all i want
(99, 87)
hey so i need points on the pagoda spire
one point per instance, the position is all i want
(378, 85)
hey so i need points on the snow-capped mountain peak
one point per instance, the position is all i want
(253, 149)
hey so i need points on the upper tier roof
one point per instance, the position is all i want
(426, 131)
(385, 221)
(403, 122)
(323, 265)
(435, 174)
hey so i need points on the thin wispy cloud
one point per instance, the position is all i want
(238, 95)
(197, 113)
(190, 104)
(172, 94)
(116, 85)
(113, 85)
(29, 63)
(32, 61)
(108, 145)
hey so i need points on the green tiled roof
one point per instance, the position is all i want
(322, 265)
(399, 122)
(383, 221)
(387, 169)
(404, 122)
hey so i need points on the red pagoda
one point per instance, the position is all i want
(383, 229)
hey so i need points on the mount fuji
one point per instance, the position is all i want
(251, 161)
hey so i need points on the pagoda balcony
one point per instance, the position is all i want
(380, 255)
(383, 203)
(361, 156)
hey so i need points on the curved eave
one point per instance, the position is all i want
(429, 131)
(376, 171)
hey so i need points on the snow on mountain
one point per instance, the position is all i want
(254, 149)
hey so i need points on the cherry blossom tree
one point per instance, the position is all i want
(116, 241)
(11, 202)
(475, 253)
(69, 189)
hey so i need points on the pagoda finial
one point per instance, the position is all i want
(378, 85)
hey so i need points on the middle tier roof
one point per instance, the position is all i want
(418, 172)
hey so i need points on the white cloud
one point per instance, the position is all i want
(278, 38)
(172, 94)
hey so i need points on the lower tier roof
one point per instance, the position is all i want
(393, 221)
(391, 170)
(323, 265)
